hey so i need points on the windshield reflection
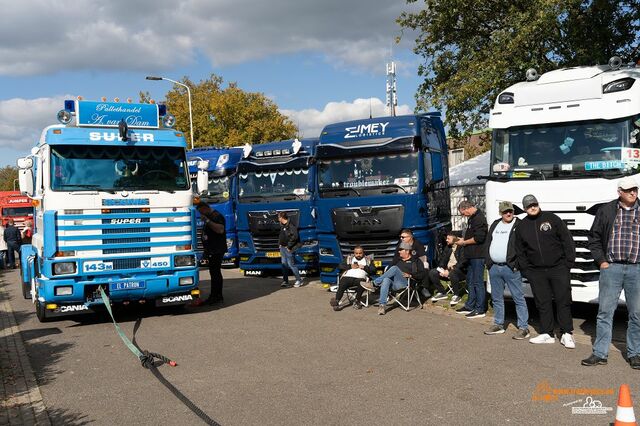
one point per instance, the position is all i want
(286, 183)
(567, 148)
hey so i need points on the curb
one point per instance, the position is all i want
(26, 406)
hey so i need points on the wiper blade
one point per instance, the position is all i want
(390, 186)
(341, 189)
(77, 185)
(253, 198)
(295, 197)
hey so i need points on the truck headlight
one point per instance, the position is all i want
(243, 244)
(185, 281)
(326, 252)
(310, 243)
(66, 290)
(229, 243)
(64, 268)
(184, 260)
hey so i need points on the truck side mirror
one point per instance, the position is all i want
(25, 175)
(202, 181)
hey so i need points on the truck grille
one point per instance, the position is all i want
(266, 243)
(382, 249)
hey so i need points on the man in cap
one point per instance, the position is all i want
(546, 253)
(502, 263)
(614, 241)
(395, 277)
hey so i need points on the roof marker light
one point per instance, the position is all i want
(116, 100)
(615, 62)
(532, 74)
(103, 99)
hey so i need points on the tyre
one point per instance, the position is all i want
(41, 312)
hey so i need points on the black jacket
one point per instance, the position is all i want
(601, 231)
(512, 256)
(413, 266)
(289, 237)
(212, 242)
(476, 229)
(443, 260)
(12, 234)
(544, 241)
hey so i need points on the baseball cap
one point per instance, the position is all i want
(528, 200)
(504, 206)
(405, 246)
(627, 183)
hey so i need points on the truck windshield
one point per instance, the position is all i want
(117, 168)
(219, 187)
(380, 174)
(17, 211)
(567, 149)
(274, 184)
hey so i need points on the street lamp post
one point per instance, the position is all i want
(150, 77)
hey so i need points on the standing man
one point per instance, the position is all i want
(614, 241)
(289, 241)
(214, 240)
(12, 237)
(502, 263)
(3, 248)
(546, 253)
(473, 243)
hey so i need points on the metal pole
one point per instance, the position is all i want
(189, 97)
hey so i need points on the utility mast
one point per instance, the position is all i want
(392, 93)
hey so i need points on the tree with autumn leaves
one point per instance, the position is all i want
(226, 116)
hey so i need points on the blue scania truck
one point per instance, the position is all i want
(113, 210)
(220, 195)
(275, 177)
(375, 177)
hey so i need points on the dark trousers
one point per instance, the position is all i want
(456, 276)
(548, 284)
(348, 282)
(12, 248)
(215, 264)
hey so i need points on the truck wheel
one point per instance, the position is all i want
(41, 312)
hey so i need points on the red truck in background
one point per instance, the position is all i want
(14, 205)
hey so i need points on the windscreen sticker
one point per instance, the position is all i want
(299, 191)
(603, 165)
(401, 181)
(566, 167)
(631, 155)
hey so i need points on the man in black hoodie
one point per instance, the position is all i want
(289, 242)
(12, 237)
(546, 253)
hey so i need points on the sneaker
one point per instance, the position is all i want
(475, 314)
(334, 303)
(495, 329)
(455, 300)
(567, 341)
(521, 334)
(367, 285)
(298, 283)
(438, 296)
(542, 338)
(425, 293)
(634, 362)
(357, 305)
(284, 284)
(594, 360)
(381, 310)
(464, 310)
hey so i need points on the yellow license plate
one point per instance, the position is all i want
(377, 263)
(273, 254)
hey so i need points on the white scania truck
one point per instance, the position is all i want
(567, 136)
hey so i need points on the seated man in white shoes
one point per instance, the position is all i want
(356, 268)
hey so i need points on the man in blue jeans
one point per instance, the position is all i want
(615, 245)
(396, 276)
(502, 263)
(474, 252)
(289, 242)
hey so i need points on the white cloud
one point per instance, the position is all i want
(39, 37)
(23, 120)
(312, 121)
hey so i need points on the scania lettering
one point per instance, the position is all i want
(276, 177)
(114, 211)
(567, 137)
(220, 195)
(376, 177)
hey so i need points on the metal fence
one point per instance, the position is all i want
(473, 193)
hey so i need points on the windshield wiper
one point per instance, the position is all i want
(289, 197)
(253, 198)
(77, 185)
(342, 189)
(389, 186)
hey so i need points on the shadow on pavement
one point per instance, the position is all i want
(65, 417)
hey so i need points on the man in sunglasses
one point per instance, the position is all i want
(502, 264)
(546, 253)
(614, 241)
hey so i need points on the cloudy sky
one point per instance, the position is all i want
(320, 61)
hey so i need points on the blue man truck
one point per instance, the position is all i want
(220, 195)
(376, 177)
(275, 177)
(113, 210)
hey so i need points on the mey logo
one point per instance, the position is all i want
(363, 221)
(124, 221)
(361, 130)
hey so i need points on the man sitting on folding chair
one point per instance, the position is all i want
(355, 269)
(452, 267)
(396, 277)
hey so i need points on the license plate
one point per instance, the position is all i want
(377, 263)
(273, 254)
(127, 285)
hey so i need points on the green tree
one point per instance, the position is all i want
(472, 50)
(226, 116)
(8, 175)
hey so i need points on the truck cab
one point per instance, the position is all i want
(16, 206)
(275, 177)
(376, 177)
(113, 210)
(220, 195)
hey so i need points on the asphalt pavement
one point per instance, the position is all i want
(283, 356)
